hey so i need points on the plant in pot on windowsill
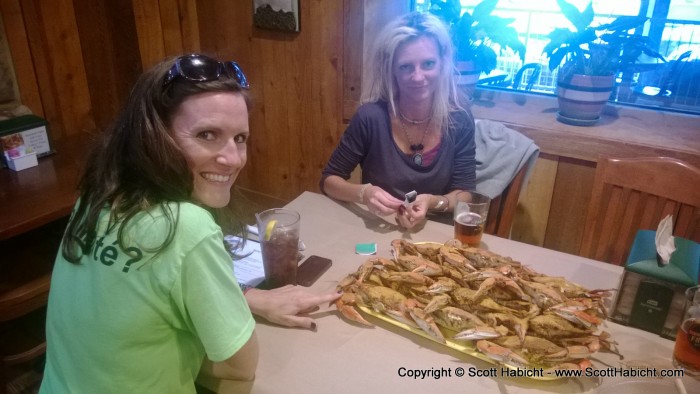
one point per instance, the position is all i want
(592, 57)
(476, 37)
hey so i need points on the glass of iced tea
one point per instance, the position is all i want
(686, 352)
(470, 214)
(278, 230)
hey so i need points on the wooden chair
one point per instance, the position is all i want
(25, 275)
(502, 208)
(635, 194)
(500, 150)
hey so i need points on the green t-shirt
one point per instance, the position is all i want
(124, 321)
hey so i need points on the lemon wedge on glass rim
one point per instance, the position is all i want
(269, 228)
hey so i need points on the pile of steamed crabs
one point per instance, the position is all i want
(509, 312)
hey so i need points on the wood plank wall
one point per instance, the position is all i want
(76, 60)
(296, 82)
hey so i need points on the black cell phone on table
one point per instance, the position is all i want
(311, 269)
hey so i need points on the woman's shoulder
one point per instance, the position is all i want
(462, 116)
(191, 215)
(372, 110)
(462, 120)
(369, 118)
(191, 220)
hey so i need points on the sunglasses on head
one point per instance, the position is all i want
(201, 68)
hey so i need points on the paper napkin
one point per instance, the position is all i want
(665, 246)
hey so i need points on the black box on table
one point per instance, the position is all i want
(22, 132)
(652, 296)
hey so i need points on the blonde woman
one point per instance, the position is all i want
(410, 133)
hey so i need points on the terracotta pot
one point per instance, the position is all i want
(582, 97)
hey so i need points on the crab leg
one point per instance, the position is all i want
(345, 303)
(427, 324)
(482, 332)
(500, 353)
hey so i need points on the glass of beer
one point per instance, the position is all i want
(278, 230)
(686, 352)
(470, 215)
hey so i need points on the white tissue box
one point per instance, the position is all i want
(23, 162)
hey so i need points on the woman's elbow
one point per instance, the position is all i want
(239, 375)
(242, 365)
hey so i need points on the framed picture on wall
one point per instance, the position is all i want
(276, 14)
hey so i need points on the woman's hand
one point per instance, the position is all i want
(287, 306)
(410, 217)
(379, 202)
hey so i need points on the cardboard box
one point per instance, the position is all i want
(22, 135)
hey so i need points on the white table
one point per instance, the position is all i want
(345, 358)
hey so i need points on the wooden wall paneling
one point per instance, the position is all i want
(325, 93)
(295, 134)
(55, 47)
(295, 81)
(18, 42)
(353, 38)
(9, 92)
(37, 47)
(189, 25)
(572, 190)
(225, 31)
(364, 19)
(149, 31)
(110, 48)
(271, 153)
(530, 222)
(585, 145)
(170, 25)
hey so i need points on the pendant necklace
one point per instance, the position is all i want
(417, 149)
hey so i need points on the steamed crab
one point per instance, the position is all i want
(534, 351)
(509, 312)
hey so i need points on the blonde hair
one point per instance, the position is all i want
(380, 83)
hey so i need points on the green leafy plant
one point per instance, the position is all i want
(602, 50)
(475, 34)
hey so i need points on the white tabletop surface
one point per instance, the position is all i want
(345, 358)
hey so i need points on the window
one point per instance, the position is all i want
(673, 30)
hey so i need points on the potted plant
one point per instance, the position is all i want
(592, 57)
(475, 35)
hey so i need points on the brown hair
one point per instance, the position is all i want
(137, 166)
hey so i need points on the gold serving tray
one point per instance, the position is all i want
(463, 347)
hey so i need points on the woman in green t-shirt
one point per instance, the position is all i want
(143, 296)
